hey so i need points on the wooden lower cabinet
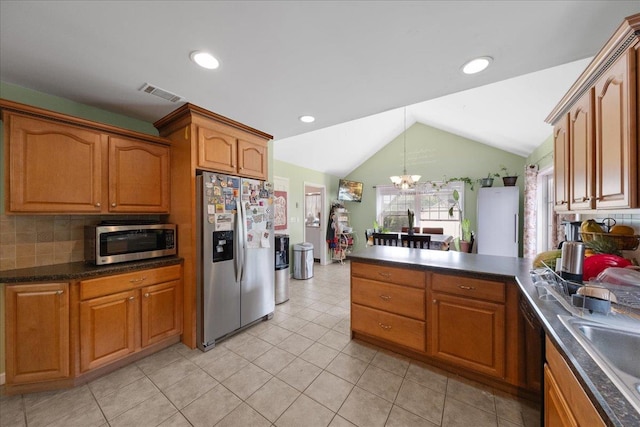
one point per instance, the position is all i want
(565, 401)
(107, 329)
(387, 326)
(161, 312)
(37, 332)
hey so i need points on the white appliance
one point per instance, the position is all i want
(498, 221)
(236, 255)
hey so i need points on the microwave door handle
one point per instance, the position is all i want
(240, 241)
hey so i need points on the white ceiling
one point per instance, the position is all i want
(339, 61)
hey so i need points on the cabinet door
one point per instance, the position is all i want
(556, 410)
(53, 167)
(561, 164)
(467, 332)
(252, 159)
(37, 332)
(217, 150)
(107, 329)
(616, 139)
(138, 176)
(161, 312)
(581, 154)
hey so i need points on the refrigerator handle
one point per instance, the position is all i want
(515, 234)
(240, 240)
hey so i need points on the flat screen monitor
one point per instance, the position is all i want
(349, 191)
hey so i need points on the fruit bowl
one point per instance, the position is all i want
(624, 242)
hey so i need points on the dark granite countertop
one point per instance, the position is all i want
(80, 270)
(614, 408)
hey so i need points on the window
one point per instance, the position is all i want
(545, 218)
(431, 204)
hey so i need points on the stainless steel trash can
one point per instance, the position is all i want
(303, 260)
(282, 268)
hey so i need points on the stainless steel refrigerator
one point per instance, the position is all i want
(235, 273)
(498, 221)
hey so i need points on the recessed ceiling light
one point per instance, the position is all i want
(307, 119)
(476, 65)
(205, 60)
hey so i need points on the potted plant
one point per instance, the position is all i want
(508, 178)
(465, 242)
(488, 181)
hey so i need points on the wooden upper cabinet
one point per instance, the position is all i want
(616, 135)
(217, 150)
(37, 332)
(581, 165)
(252, 158)
(62, 164)
(52, 167)
(138, 176)
(561, 164)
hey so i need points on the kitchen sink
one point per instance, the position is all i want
(614, 349)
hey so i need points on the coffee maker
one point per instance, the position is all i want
(572, 231)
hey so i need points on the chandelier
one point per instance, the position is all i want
(404, 181)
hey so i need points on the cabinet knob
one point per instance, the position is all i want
(113, 205)
(98, 205)
(146, 295)
(131, 298)
(435, 301)
(59, 292)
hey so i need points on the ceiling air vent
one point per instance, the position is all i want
(154, 90)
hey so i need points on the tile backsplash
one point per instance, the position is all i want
(35, 240)
(632, 220)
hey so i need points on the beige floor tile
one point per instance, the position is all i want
(326, 320)
(422, 401)
(319, 354)
(339, 312)
(253, 348)
(177, 420)
(321, 306)
(313, 331)
(289, 307)
(347, 367)
(335, 340)
(293, 323)
(506, 423)
(382, 383)
(274, 360)
(190, 388)
(211, 407)
(275, 335)
(472, 393)
(87, 416)
(295, 344)
(12, 411)
(428, 376)
(151, 412)
(158, 360)
(115, 380)
(202, 358)
(365, 409)
(279, 317)
(59, 405)
(509, 408)
(259, 328)
(308, 314)
(247, 380)
(127, 397)
(305, 412)
(338, 421)
(329, 390)
(360, 350)
(235, 341)
(273, 398)
(172, 373)
(401, 418)
(225, 366)
(244, 416)
(392, 362)
(299, 374)
(343, 326)
(458, 414)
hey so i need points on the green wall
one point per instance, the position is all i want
(434, 154)
(543, 155)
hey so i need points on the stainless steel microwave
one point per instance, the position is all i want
(109, 243)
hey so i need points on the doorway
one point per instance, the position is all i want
(315, 220)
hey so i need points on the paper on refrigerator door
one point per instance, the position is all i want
(224, 222)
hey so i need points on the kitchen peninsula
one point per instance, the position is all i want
(460, 312)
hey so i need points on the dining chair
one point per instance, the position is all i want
(406, 229)
(433, 230)
(420, 242)
(385, 239)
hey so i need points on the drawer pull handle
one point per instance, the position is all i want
(385, 297)
(59, 292)
(146, 295)
(137, 280)
(383, 326)
(385, 274)
(131, 298)
(467, 288)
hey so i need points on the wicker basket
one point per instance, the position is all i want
(624, 242)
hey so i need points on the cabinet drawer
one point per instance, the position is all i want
(393, 298)
(468, 287)
(107, 285)
(398, 276)
(389, 327)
